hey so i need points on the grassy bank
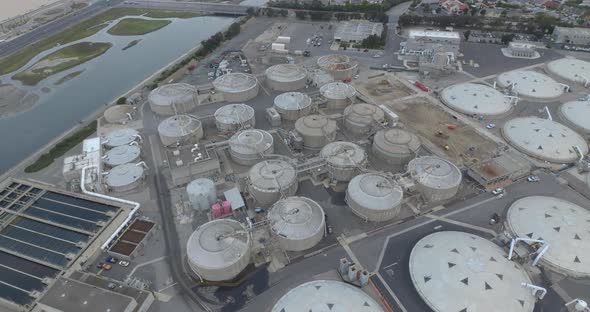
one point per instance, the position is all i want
(137, 26)
(61, 60)
(61, 148)
(68, 77)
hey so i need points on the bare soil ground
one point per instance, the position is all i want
(383, 89)
(14, 100)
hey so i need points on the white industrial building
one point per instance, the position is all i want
(571, 35)
(356, 31)
(425, 41)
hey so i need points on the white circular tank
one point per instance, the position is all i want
(202, 194)
(544, 139)
(181, 129)
(374, 197)
(344, 159)
(338, 65)
(120, 137)
(174, 98)
(124, 177)
(122, 155)
(219, 250)
(530, 84)
(437, 178)
(236, 87)
(119, 114)
(248, 147)
(233, 117)
(395, 146)
(271, 179)
(338, 94)
(570, 69)
(476, 99)
(286, 77)
(298, 222)
(316, 130)
(363, 118)
(576, 113)
(293, 105)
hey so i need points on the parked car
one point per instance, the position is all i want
(498, 191)
(533, 179)
(124, 263)
(110, 259)
(491, 126)
(106, 266)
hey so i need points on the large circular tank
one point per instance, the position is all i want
(120, 137)
(570, 69)
(119, 114)
(298, 222)
(544, 139)
(363, 118)
(248, 147)
(344, 159)
(475, 99)
(576, 113)
(531, 84)
(326, 295)
(202, 194)
(124, 177)
(293, 105)
(271, 179)
(237, 87)
(219, 250)
(316, 130)
(437, 178)
(338, 94)
(457, 271)
(181, 129)
(122, 155)
(337, 65)
(395, 146)
(374, 197)
(233, 117)
(286, 77)
(174, 98)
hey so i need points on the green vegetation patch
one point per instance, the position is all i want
(137, 26)
(68, 77)
(61, 60)
(172, 14)
(61, 148)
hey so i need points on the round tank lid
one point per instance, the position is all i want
(570, 69)
(179, 125)
(121, 137)
(296, 218)
(218, 244)
(530, 83)
(272, 174)
(364, 113)
(234, 113)
(200, 186)
(251, 141)
(124, 175)
(122, 154)
(343, 154)
(577, 113)
(435, 172)
(397, 141)
(292, 101)
(315, 125)
(375, 191)
(286, 72)
(235, 82)
(472, 98)
(338, 91)
(172, 93)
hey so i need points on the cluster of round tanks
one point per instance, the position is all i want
(120, 137)
(339, 66)
(363, 118)
(316, 130)
(395, 146)
(202, 194)
(121, 155)
(298, 222)
(180, 129)
(271, 179)
(125, 177)
(437, 178)
(293, 105)
(219, 250)
(286, 77)
(573, 70)
(576, 113)
(119, 114)
(476, 99)
(172, 99)
(530, 84)
(233, 117)
(344, 159)
(338, 94)
(236, 87)
(374, 197)
(248, 147)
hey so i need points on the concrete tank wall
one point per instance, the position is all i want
(395, 146)
(181, 128)
(316, 130)
(286, 77)
(171, 99)
(270, 179)
(248, 147)
(298, 223)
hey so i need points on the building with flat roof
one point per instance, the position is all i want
(356, 31)
(422, 42)
(521, 49)
(571, 35)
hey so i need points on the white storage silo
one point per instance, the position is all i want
(202, 194)
(286, 77)
(316, 130)
(248, 147)
(374, 197)
(338, 94)
(339, 66)
(172, 99)
(122, 154)
(236, 87)
(293, 105)
(363, 118)
(234, 117)
(395, 146)
(344, 159)
(271, 179)
(120, 137)
(180, 129)
(298, 222)
(437, 178)
(124, 177)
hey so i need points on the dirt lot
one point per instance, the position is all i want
(465, 145)
(383, 89)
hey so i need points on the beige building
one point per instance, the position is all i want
(574, 35)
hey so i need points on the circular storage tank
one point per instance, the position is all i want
(219, 250)
(576, 113)
(233, 117)
(286, 77)
(237, 87)
(298, 222)
(270, 179)
(202, 194)
(573, 70)
(339, 66)
(338, 94)
(120, 155)
(395, 146)
(324, 296)
(363, 118)
(476, 99)
(181, 129)
(544, 139)
(457, 271)
(374, 197)
(344, 159)
(437, 178)
(293, 105)
(124, 177)
(174, 98)
(119, 114)
(248, 147)
(531, 84)
(561, 224)
(316, 130)
(120, 137)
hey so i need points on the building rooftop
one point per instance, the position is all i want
(357, 30)
(434, 34)
(572, 31)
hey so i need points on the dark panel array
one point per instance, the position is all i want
(27, 266)
(32, 251)
(61, 219)
(51, 230)
(80, 202)
(90, 215)
(15, 295)
(40, 240)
